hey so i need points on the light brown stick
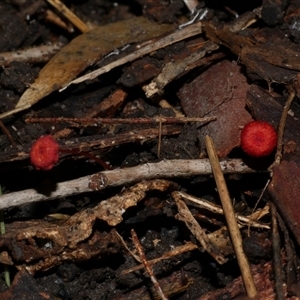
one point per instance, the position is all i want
(230, 219)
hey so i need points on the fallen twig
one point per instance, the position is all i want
(189, 246)
(32, 55)
(218, 210)
(146, 265)
(99, 121)
(102, 180)
(69, 15)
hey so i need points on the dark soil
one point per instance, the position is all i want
(153, 218)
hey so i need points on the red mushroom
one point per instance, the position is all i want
(258, 139)
(44, 153)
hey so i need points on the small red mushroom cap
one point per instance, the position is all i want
(258, 138)
(44, 153)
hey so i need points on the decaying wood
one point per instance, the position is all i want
(119, 177)
(186, 216)
(220, 238)
(111, 210)
(173, 70)
(76, 239)
(65, 241)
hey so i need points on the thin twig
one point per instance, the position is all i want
(33, 55)
(231, 219)
(136, 257)
(146, 265)
(218, 210)
(187, 247)
(100, 121)
(69, 15)
(258, 201)
(119, 177)
(281, 126)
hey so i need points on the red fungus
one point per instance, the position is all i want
(44, 153)
(258, 138)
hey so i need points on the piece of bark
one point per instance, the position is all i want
(177, 69)
(40, 245)
(274, 58)
(285, 192)
(76, 238)
(264, 284)
(220, 91)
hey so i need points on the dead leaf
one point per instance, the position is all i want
(84, 51)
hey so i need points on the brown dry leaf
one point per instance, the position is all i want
(221, 92)
(85, 50)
